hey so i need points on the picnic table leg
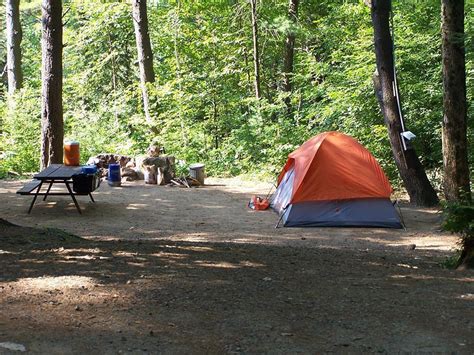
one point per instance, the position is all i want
(73, 197)
(47, 191)
(92, 198)
(36, 196)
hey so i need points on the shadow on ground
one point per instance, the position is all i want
(60, 293)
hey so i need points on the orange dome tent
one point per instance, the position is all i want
(332, 180)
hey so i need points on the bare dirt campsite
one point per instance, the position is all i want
(152, 269)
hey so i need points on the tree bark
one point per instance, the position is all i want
(52, 126)
(14, 36)
(411, 171)
(145, 54)
(288, 57)
(256, 59)
(455, 156)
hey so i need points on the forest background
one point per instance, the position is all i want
(203, 105)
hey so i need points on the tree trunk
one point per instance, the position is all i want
(455, 157)
(256, 60)
(14, 35)
(411, 171)
(52, 127)
(179, 78)
(288, 56)
(145, 54)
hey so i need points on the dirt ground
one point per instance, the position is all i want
(150, 269)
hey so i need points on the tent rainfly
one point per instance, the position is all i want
(333, 181)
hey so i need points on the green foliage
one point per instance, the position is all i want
(19, 142)
(202, 103)
(451, 262)
(459, 218)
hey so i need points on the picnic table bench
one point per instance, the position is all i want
(28, 187)
(56, 174)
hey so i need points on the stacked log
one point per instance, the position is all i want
(162, 167)
(103, 160)
(158, 169)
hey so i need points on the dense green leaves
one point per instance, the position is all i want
(202, 103)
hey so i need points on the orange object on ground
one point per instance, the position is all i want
(71, 153)
(258, 203)
(334, 166)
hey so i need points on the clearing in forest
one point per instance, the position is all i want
(152, 269)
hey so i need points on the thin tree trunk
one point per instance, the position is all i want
(145, 55)
(247, 68)
(114, 79)
(177, 25)
(455, 157)
(411, 171)
(52, 127)
(14, 36)
(288, 56)
(256, 60)
(245, 53)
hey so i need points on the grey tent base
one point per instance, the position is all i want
(341, 213)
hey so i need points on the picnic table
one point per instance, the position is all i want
(52, 175)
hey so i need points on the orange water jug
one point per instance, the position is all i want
(71, 153)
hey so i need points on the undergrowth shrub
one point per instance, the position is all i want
(459, 219)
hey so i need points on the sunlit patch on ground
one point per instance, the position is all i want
(136, 206)
(226, 265)
(54, 282)
(6, 252)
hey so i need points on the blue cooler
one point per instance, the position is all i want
(87, 181)
(114, 177)
(89, 169)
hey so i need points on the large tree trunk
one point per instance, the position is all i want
(256, 59)
(145, 55)
(455, 157)
(14, 35)
(411, 171)
(288, 56)
(52, 127)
